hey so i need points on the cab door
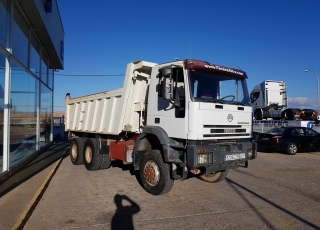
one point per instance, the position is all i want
(170, 115)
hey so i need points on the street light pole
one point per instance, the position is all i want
(308, 70)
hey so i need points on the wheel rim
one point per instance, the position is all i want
(74, 151)
(151, 173)
(293, 148)
(289, 115)
(88, 154)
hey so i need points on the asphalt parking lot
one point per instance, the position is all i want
(277, 191)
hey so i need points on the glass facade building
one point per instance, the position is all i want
(31, 48)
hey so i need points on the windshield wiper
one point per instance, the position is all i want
(238, 103)
(217, 100)
(228, 102)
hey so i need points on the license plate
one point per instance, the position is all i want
(265, 138)
(234, 157)
(229, 131)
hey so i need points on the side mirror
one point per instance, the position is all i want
(166, 85)
(166, 71)
(167, 88)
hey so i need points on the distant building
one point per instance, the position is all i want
(31, 48)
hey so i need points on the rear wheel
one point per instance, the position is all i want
(76, 150)
(154, 173)
(92, 158)
(106, 161)
(214, 177)
(292, 148)
(269, 150)
(288, 115)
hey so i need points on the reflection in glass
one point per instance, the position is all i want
(44, 67)
(4, 23)
(35, 55)
(2, 76)
(50, 78)
(23, 117)
(20, 38)
(45, 115)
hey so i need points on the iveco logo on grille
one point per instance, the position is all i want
(230, 117)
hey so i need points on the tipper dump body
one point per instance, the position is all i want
(114, 111)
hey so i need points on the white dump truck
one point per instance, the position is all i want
(167, 120)
(269, 101)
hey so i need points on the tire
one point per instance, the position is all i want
(92, 158)
(76, 150)
(214, 177)
(106, 161)
(288, 115)
(258, 115)
(154, 173)
(269, 150)
(292, 148)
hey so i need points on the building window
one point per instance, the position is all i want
(2, 77)
(4, 22)
(35, 55)
(50, 78)
(23, 117)
(45, 115)
(20, 38)
(44, 67)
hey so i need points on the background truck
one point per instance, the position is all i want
(269, 100)
(262, 126)
(167, 120)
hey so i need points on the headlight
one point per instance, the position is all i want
(205, 158)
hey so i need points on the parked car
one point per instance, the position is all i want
(289, 139)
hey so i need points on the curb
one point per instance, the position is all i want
(36, 198)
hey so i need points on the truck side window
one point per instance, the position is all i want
(159, 89)
(254, 96)
(179, 92)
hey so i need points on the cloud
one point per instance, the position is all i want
(302, 103)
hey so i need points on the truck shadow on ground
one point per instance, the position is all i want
(265, 151)
(238, 187)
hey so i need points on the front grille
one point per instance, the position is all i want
(224, 131)
(226, 135)
(221, 126)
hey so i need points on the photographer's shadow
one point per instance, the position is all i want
(122, 219)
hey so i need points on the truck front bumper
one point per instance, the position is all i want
(220, 156)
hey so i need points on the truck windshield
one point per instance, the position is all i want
(212, 87)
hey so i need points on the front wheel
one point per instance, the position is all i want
(154, 173)
(214, 177)
(292, 148)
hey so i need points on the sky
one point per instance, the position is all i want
(268, 39)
